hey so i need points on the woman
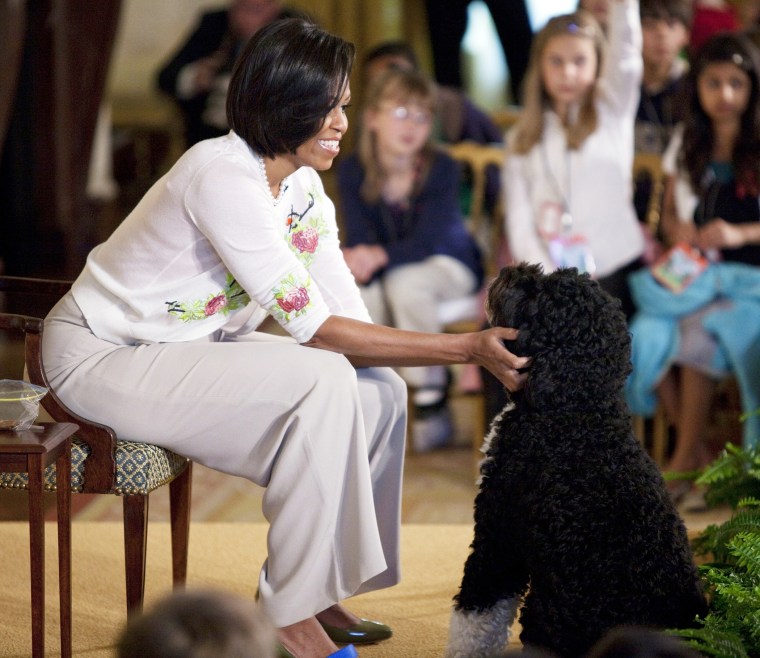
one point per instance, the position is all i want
(157, 338)
(405, 239)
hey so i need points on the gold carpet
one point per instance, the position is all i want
(222, 555)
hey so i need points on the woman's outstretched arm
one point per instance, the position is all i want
(368, 344)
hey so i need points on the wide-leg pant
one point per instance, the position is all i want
(326, 440)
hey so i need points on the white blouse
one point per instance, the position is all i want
(207, 246)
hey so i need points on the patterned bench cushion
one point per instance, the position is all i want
(140, 468)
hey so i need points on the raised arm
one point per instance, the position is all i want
(622, 71)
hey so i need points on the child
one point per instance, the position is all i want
(567, 176)
(711, 204)
(457, 117)
(599, 9)
(194, 624)
(405, 239)
(665, 30)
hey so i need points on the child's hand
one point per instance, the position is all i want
(364, 260)
(681, 232)
(719, 234)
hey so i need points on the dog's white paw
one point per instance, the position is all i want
(480, 634)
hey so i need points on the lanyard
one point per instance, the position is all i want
(566, 220)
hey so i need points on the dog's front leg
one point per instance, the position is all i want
(495, 577)
(481, 633)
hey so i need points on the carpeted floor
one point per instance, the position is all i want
(417, 609)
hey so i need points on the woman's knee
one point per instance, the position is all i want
(327, 375)
(386, 392)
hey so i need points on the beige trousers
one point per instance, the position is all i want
(324, 439)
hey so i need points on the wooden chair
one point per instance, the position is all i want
(649, 165)
(506, 117)
(101, 462)
(476, 159)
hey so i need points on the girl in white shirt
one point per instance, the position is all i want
(158, 339)
(567, 177)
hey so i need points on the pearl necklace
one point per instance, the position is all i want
(283, 183)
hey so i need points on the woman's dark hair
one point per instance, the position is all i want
(698, 137)
(286, 81)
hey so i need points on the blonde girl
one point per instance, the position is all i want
(404, 237)
(567, 177)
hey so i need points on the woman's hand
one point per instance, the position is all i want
(368, 345)
(364, 260)
(489, 351)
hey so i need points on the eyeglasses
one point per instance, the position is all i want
(401, 113)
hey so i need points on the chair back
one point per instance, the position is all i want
(649, 166)
(40, 295)
(487, 228)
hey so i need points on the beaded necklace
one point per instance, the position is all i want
(283, 183)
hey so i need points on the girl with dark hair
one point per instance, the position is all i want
(158, 339)
(711, 214)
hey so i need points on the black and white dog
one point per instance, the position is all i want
(573, 523)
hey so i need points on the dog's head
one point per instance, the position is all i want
(575, 333)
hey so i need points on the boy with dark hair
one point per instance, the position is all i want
(665, 30)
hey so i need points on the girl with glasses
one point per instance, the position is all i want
(404, 237)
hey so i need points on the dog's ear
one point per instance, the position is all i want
(511, 302)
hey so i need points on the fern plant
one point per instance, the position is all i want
(731, 629)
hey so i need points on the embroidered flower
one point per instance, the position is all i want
(306, 239)
(292, 298)
(306, 228)
(231, 298)
(213, 305)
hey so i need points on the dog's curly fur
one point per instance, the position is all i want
(572, 514)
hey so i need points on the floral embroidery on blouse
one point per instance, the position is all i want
(231, 298)
(305, 233)
(292, 298)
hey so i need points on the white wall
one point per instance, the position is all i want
(542, 10)
(148, 32)
(484, 66)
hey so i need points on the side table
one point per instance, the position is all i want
(30, 451)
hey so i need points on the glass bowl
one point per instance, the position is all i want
(19, 404)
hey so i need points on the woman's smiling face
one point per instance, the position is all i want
(319, 151)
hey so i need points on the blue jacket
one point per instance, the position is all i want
(655, 336)
(434, 226)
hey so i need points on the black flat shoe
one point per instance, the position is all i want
(365, 632)
(282, 652)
